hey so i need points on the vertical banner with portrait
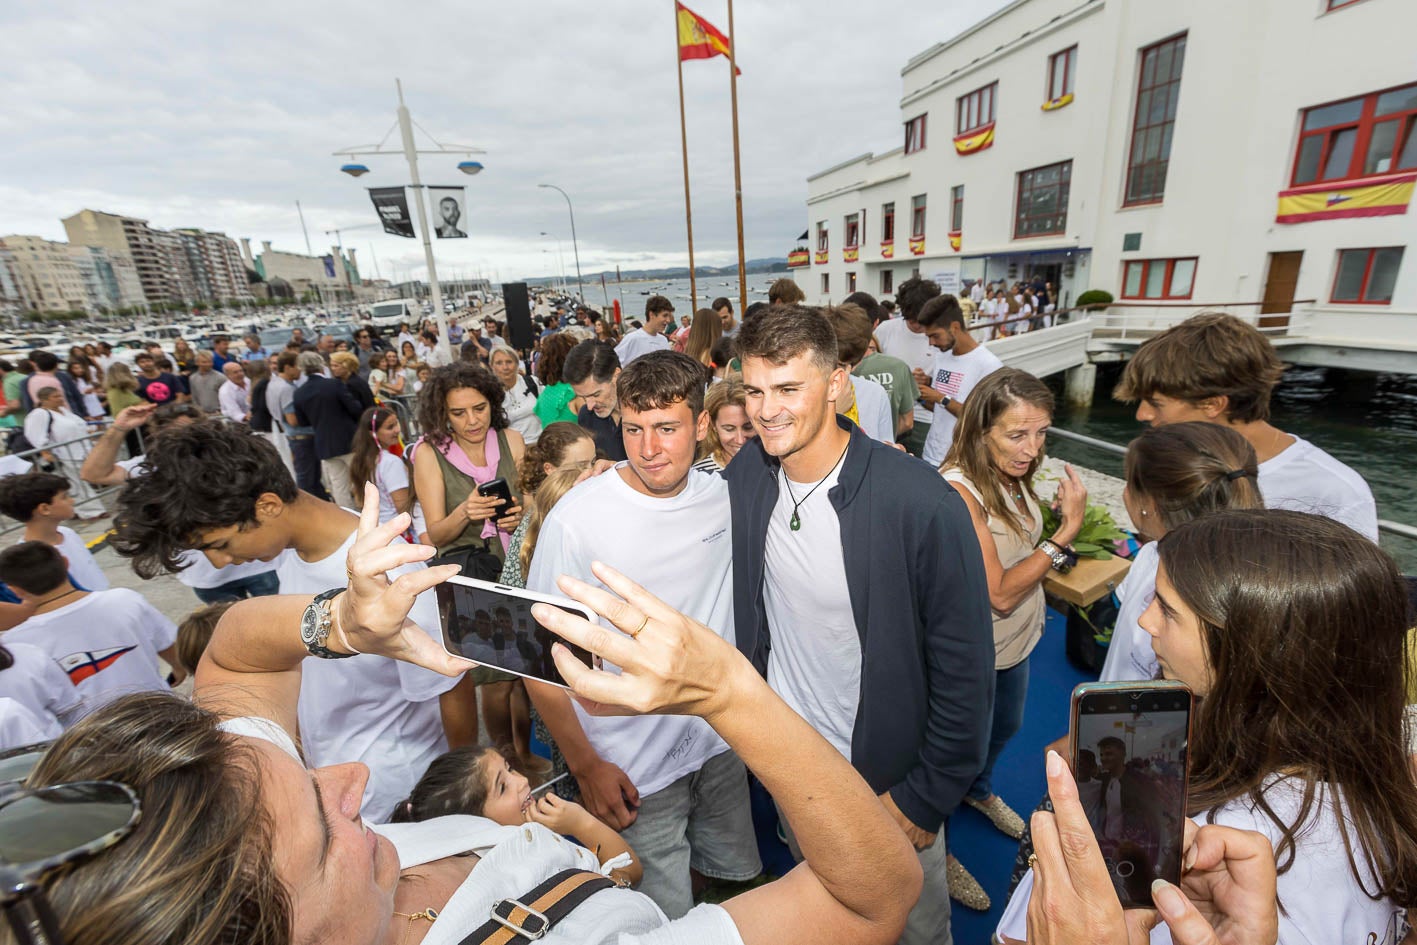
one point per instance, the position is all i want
(449, 208)
(392, 206)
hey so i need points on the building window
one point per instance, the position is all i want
(1062, 69)
(1159, 278)
(826, 283)
(887, 222)
(956, 208)
(917, 217)
(887, 282)
(1042, 207)
(915, 134)
(1158, 90)
(821, 237)
(1366, 276)
(850, 282)
(853, 230)
(1358, 137)
(975, 110)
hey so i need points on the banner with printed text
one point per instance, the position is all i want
(391, 203)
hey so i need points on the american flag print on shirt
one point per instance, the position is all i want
(947, 382)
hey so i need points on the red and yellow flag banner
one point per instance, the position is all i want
(917, 245)
(850, 254)
(698, 38)
(888, 249)
(955, 240)
(821, 258)
(1372, 197)
(1060, 102)
(974, 141)
(798, 258)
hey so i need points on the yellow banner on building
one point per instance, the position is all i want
(1374, 197)
(850, 254)
(1059, 102)
(955, 240)
(821, 258)
(888, 250)
(917, 245)
(977, 141)
(798, 258)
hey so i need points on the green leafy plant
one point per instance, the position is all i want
(1098, 536)
(1094, 298)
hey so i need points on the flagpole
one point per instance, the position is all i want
(737, 162)
(684, 145)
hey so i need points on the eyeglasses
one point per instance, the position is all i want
(46, 829)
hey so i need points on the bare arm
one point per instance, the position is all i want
(100, 466)
(1007, 588)
(605, 788)
(458, 707)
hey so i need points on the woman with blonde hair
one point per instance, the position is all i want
(704, 332)
(726, 404)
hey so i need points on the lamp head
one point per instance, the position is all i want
(470, 167)
(355, 170)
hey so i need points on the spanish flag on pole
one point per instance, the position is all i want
(698, 38)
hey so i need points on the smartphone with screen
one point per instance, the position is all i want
(492, 624)
(498, 489)
(1130, 746)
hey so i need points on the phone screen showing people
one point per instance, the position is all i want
(496, 628)
(1130, 762)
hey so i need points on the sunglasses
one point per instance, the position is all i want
(44, 830)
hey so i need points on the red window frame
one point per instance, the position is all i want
(1367, 276)
(887, 282)
(1025, 190)
(1362, 129)
(1145, 164)
(917, 216)
(888, 222)
(956, 208)
(976, 110)
(826, 283)
(852, 225)
(915, 134)
(1056, 90)
(1170, 267)
(822, 240)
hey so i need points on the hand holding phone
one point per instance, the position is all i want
(497, 489)
(492, 624)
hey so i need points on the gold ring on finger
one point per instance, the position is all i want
(640, 629)
(1032, 860)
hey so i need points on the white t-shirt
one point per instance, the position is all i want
(83, 567)
(20, 727)
(1130, 657)
(36, 682)
(107, 642)
(1306, 479)
(954, 376)
(898, 341)
(1323, 901)
(197, 571)
(639, 342)
(680, 550)
(873, 406)
(521, 411)
(369, 708)
(815, 660)
(390, 475)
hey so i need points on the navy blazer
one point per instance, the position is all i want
(920, 600)
(332, 410)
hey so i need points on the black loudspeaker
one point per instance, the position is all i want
(518, 310)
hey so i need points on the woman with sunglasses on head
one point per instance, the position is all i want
(238, 842)
(1291, 630)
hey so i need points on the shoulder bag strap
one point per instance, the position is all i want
(539, 910)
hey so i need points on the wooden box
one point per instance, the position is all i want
(1090, 580)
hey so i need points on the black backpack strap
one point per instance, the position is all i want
(530, 385)
(538, 911)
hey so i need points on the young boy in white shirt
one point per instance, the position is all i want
(42, 502)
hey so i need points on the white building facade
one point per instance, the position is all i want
(1260, 156)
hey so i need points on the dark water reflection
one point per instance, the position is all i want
(1368, 421)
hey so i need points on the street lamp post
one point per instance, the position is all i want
(580, 289)
(410, 153)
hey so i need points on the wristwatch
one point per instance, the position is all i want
(315, 626)
(1062, 560)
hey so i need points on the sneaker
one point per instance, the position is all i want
(1000, 814)
(964, 888)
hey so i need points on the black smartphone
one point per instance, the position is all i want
(492, 625)
(1129, 747)
(497, 488)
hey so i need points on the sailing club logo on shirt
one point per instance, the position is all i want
(714, 537)
(89, 663)
(948, 382)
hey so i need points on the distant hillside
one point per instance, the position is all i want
(754, 267)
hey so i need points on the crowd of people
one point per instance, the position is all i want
(816, 544)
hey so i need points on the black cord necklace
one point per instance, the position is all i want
(795, 522)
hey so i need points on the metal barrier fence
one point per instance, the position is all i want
(65, 458)
(1384, 525)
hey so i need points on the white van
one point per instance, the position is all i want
(389, 314)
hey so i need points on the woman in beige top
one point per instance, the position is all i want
(997, 448)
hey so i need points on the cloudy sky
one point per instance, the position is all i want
(221, 116)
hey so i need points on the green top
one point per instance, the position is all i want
(119, 399)
(894, 375)
(457, 486)
(14, 381)
(551, 404)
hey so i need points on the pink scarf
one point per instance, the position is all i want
(479, 474)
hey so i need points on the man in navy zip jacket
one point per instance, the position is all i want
(859, 591)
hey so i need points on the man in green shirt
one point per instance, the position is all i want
(891, 373)
(12, 415)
